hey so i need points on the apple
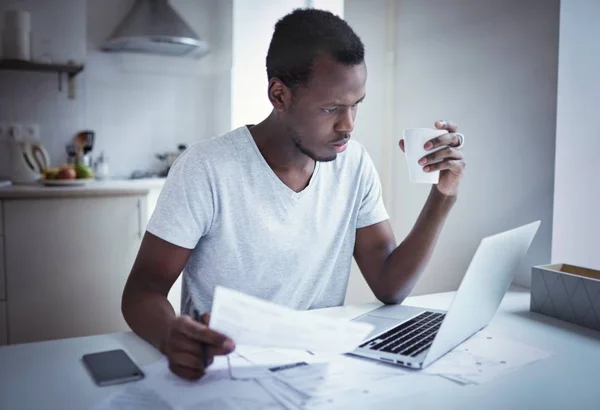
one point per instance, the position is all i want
(83, 171)
(66, 173)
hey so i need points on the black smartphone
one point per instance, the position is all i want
(112, 367)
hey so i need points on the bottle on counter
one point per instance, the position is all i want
(101, 167)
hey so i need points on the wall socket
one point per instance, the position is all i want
(29, 132)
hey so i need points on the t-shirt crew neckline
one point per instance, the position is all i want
(282, 186)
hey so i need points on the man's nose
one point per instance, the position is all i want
(345, 123)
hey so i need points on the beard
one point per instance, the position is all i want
(303, 149)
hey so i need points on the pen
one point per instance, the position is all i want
(197, 319)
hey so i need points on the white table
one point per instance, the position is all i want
(50, 375)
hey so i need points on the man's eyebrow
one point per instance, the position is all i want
(342, 105)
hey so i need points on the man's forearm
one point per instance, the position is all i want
(406, 263)
(148, 313)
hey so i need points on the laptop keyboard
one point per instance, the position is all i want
(408, 338)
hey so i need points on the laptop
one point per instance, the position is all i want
(416, 337)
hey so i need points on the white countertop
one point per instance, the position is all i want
(111, 187)
(50, 375)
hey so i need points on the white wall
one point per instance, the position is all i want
(491, 67)
(138, 105)
(577, 179)
(222, 67)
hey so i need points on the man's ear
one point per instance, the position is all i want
(279, 94)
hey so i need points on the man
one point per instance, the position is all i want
(278, 209)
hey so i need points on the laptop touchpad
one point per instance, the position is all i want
(380, 323)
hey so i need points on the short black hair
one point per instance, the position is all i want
(304, 34)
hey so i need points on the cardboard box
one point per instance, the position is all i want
(567, 292)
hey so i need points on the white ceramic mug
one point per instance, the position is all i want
(414, 146)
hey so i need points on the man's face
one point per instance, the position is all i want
(321, 116)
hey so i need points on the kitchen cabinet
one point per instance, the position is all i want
(67, 261)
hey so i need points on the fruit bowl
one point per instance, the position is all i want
(66, 182)
(67, 175)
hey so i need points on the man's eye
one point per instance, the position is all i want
(329, 110)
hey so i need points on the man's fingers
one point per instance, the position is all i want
(450, 139)
(194, 358)
(205, 319)
(457, 166)
(201, 333)
(186, 359)
(401, 143)
(184, 344)
(195, 348)
(446, 125)
(186, 372)
(219, 350)
(444, 153)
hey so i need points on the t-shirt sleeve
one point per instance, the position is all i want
(372, 209)
(185, 208)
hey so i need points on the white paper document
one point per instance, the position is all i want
(163, 390)
(302, 380)
(484, 357)
(134, 397)
(274, 379)
(339, 384)
(253, 321)
(251, 362)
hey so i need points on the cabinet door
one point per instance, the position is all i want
(3, 325)
(67, 261)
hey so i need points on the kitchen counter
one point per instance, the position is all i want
(111, 187)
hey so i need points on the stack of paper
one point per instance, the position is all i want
(296, 357)
(484, 357)
(323, 381)
(162, 390)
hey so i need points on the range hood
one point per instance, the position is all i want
(154, 27)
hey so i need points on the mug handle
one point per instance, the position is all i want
(40, 156)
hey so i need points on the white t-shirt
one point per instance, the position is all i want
(251, 232)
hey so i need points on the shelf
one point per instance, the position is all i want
(71, 70)
(21, 65)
